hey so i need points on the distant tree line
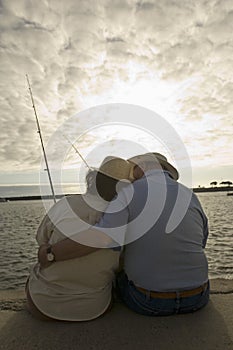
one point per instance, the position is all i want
(226, 183)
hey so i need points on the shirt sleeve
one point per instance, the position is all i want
(205, 231)
(44, 231)
(204, 219)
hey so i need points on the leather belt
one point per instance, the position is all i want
(173, 295)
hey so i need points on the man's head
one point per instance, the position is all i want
(148, 161)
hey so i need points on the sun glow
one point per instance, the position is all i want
(144, 88)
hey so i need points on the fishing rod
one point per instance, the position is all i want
(77, 151)
(41, 140)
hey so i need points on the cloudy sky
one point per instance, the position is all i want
(173, 57)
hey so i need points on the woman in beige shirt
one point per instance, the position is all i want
(78, 289)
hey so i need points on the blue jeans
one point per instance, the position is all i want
(145, 305)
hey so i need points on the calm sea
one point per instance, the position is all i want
(34, 190)
(19, 221)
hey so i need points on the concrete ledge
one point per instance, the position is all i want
(15, 299)
(221, 286)
(210, 328)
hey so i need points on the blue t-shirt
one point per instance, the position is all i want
(164, 230)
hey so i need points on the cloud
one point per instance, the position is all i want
(76, 53)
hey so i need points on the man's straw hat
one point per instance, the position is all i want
(158, 158)
(115, 167)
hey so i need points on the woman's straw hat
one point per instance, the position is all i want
(117, 168)
(158, 158)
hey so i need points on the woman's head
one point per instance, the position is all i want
(106, 186)
(104, 181)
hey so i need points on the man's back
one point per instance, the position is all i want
(167, 261)
(157, 258)
(165, 268)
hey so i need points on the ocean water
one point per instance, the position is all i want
(35, 190)
(19, 222)
(218, 208)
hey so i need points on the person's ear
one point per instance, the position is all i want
(137, 172)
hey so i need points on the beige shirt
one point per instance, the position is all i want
(77, 289)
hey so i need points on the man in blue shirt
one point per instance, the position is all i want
(164, 230)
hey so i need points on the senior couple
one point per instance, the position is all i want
(135, 211)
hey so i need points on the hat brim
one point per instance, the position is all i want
(174, 173)
(166, 165)
(116, 168)
(118, 178)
